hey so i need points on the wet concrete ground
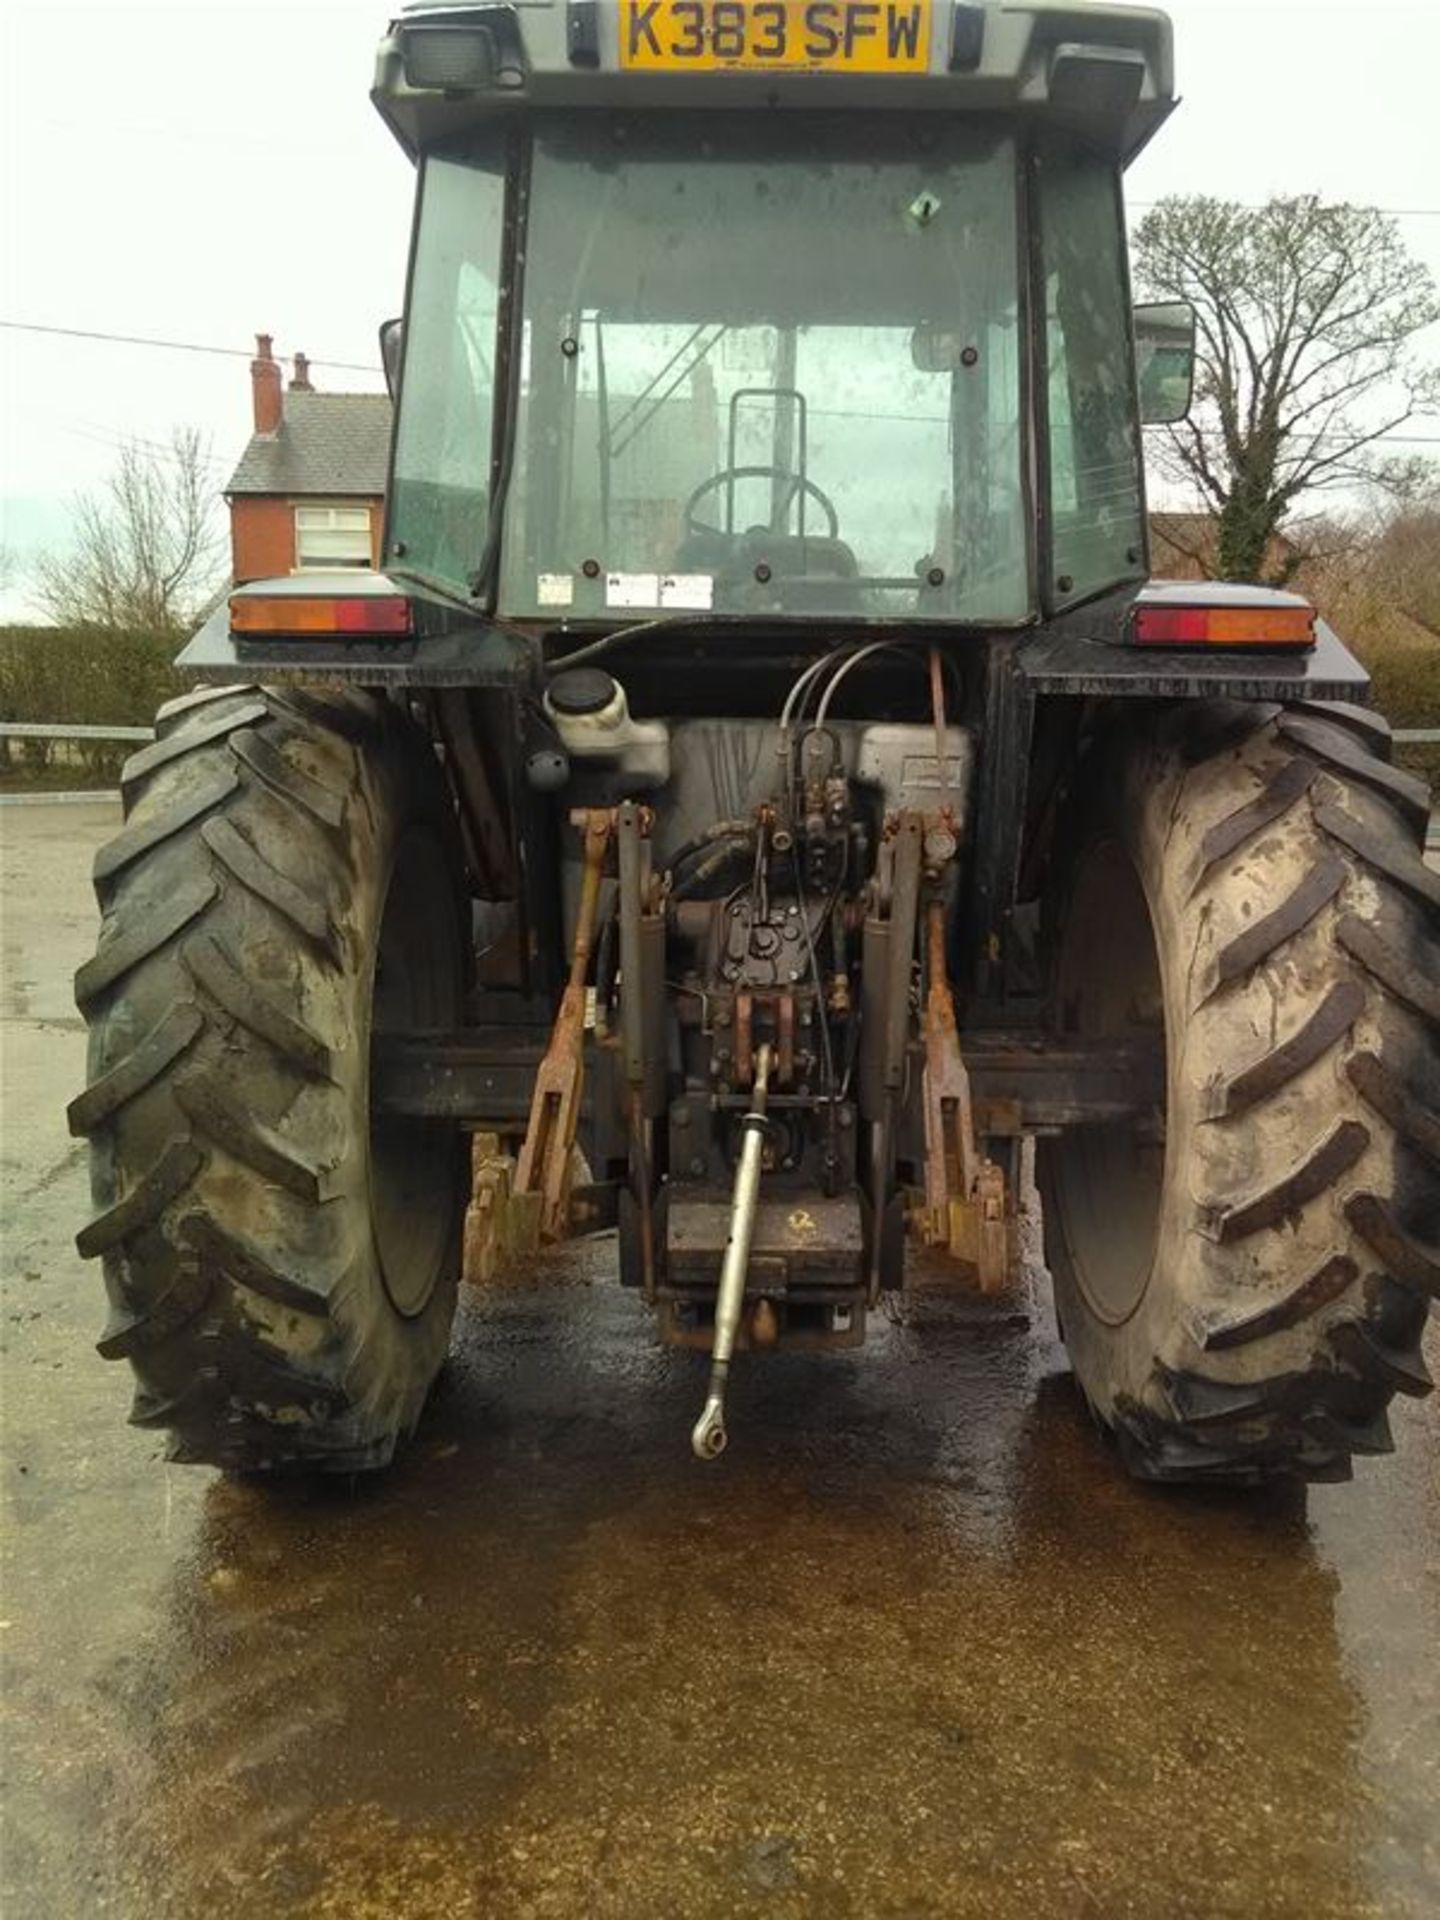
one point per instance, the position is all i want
(914, 1647)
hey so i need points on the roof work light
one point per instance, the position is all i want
(480, 49)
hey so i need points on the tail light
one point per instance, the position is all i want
(380, 616)
(1221, 616)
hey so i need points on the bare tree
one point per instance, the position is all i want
(1406, 564)
(148, 550)
(1308, 317)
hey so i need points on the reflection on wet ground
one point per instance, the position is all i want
(914, 1647)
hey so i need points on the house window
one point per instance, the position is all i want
(328, 537)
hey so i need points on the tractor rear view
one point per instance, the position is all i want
(764, 776)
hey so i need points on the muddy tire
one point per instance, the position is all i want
(1243, 1282)
(281, 1265)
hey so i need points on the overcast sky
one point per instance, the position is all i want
(202, 171)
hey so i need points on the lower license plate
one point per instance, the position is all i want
(853, 36)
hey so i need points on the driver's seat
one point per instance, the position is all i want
(733, 558)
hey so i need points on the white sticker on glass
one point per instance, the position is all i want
(632, 589)
(555, 589)
(692, 590)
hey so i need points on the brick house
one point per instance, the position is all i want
(309, 491)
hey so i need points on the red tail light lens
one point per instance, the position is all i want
(1292, 625)
(375, 616)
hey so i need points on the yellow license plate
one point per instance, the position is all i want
(850, 36)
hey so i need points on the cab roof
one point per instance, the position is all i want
(1105, 71)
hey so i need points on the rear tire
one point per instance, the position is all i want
(1244, 1290)
(281, 1264)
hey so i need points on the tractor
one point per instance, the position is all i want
(761, 792)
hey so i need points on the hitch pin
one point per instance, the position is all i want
(709, 1436)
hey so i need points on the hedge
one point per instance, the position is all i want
(80, 676)
(1403, 660)
(93, 678)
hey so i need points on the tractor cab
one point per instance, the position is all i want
(770, 311)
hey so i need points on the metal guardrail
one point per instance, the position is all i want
(33, 730)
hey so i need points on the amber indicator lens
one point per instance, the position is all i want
(1223, 627)
(381, 616)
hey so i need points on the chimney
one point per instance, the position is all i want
(300, 379)
(265, 386)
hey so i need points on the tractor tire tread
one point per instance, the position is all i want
(225, 1084)
(1298, 1293)
(1288, 1059)
(162, 1046)
(1367, 726)
(233, 994)
(137, 839)
(184, 740)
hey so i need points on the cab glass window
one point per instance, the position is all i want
(765, 372)
(1096, 494)
(440, 488)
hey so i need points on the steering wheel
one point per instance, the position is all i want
(728, 475)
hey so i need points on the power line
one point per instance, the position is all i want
(156, 449)
(169, 346)
(1379, 440)
(354, 366)
(1250, 206)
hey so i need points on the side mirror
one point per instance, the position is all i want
(1165, 361)
(392, 345)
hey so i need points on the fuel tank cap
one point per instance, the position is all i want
(581, 690)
